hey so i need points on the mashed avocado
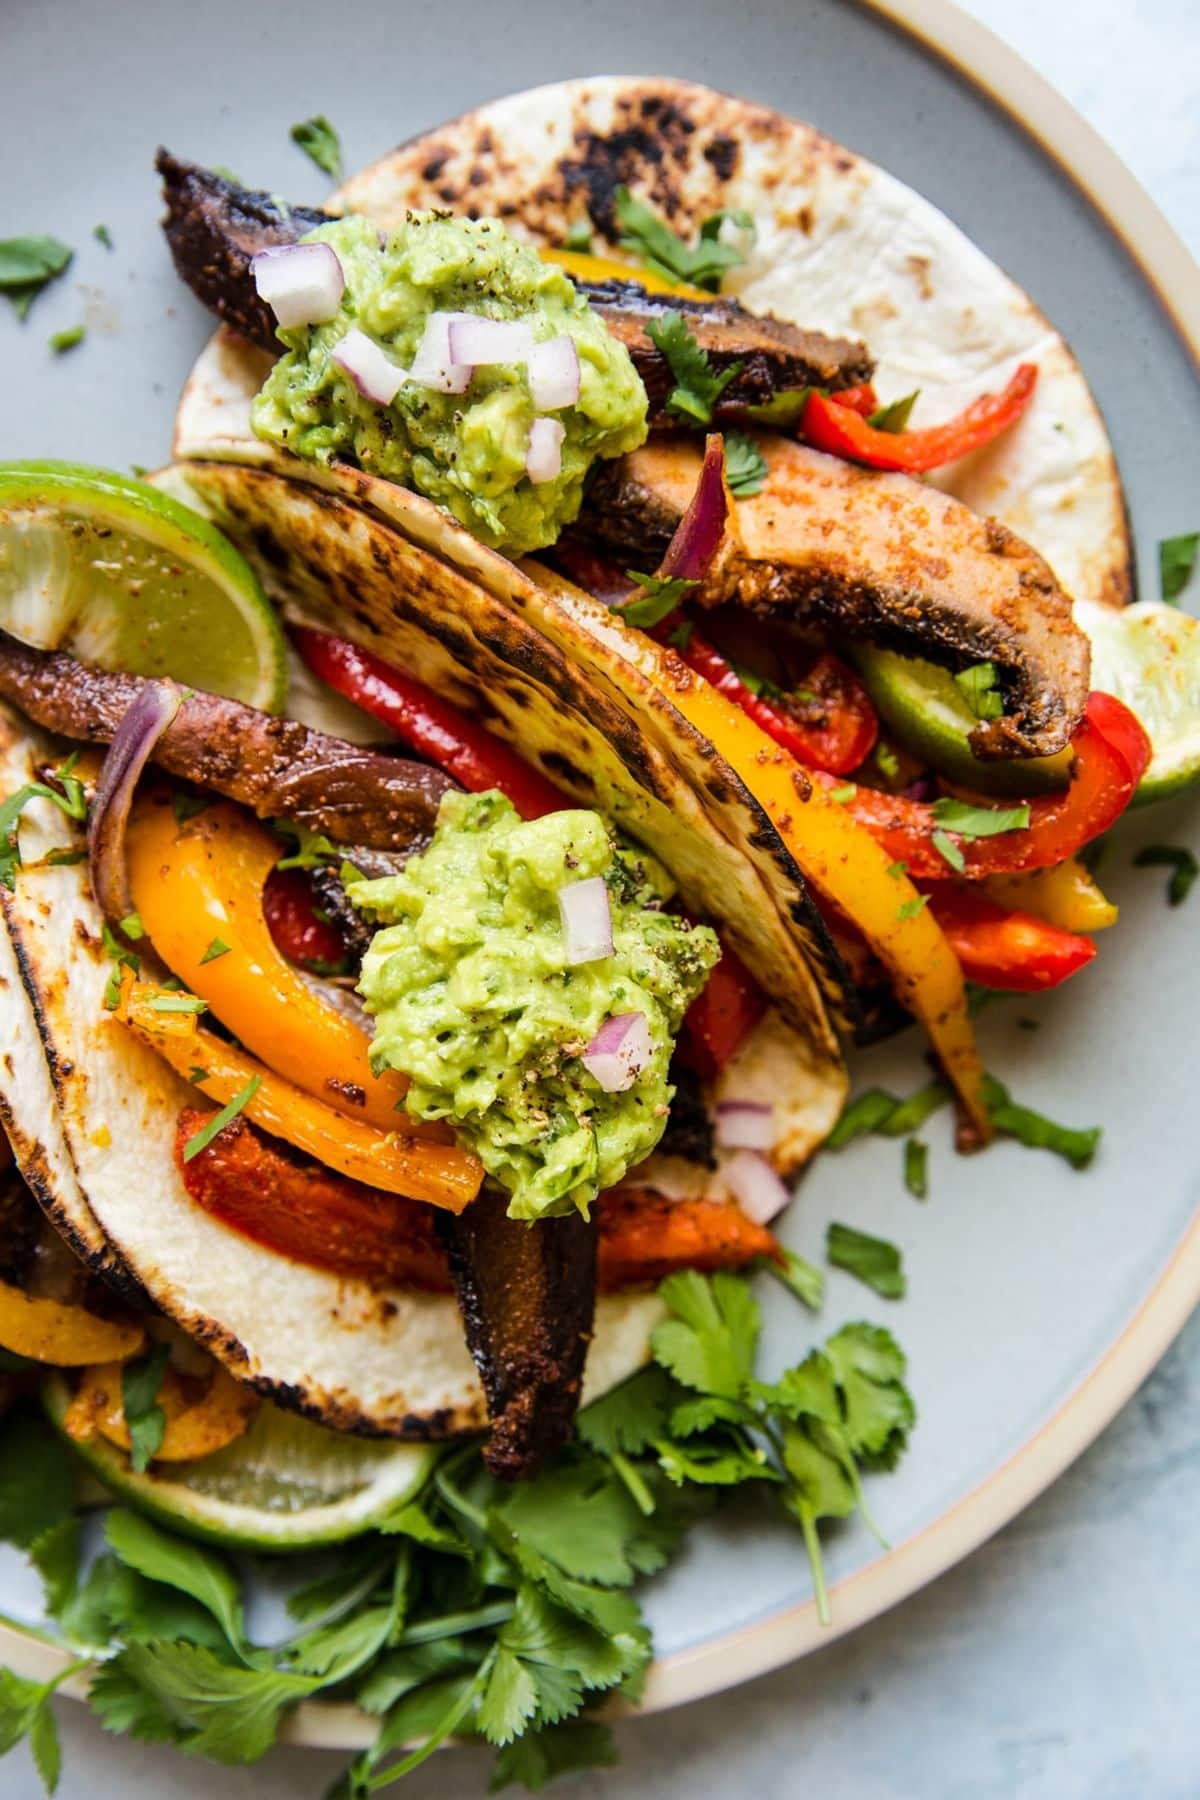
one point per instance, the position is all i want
(475, 1002)
(466, 451)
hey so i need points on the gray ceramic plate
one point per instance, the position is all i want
(1038, 1297)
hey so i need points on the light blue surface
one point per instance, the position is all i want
(1060, 1660)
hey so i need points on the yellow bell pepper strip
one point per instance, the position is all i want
(198, 891)
(200, 1419)
(581, 265)
(397, 1162)
(1066, 896)
(51, 1331)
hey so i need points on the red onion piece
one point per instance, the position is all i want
(744, 1125)
(303, 284)
(756, 1187)
(146, 718)
(476, 341)
(543, 458)
(371, 370)
(619, 1052)
(699, 532)
(433, 366)
(554, 376)
(587, 920)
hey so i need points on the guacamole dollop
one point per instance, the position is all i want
(475, 1002)
(466, 451)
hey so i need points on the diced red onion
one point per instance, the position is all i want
(586, 919)
(619, 1052)
(145, 720)
(543, 458)
(369, 367)
(476, 341)
(303, 284)
(433, 366)
(699, 532)
(756, 1187)
(745, 1125)
(553, 369)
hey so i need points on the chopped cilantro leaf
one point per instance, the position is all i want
(1182, 863)
(188, 806)
(312, 850)
(916, 1168)
(103, 235)
(912, 907)
(759, 685)
(61, 341)
(702, 264)
(132, 927)
(949, 851)
(869, 1259)
(320, 143)
(697, 388)
(897, 869)
(1176, 560)
(844, 794)
(886, 761)
(745, 465)
(65, 859)
(67, 795)
(1036, 1131)
(197, 1074)
(216, 948)
(977, 685)
(146, 1420)
(27, 264)
(201, 1139)
(656, 599)
(968, 821)
(895, 415)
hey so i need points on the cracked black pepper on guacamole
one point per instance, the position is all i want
(475, 1001)
(466, 451)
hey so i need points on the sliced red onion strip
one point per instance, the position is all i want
(619, 1052)
(303, 284)
(587, 920)
(543, 458)
(554, 375)
(477, 341)
(699, 532)
(369, 367)
(755, 1186)
(744, 1125)
(433, 366)
(146, 718)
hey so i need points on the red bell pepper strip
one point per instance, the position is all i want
(722, 1015)
(1003, 949)
(830, 425)
(1112, 753)
(861, 399)
(298, 931)
(840, 736)
(426, 723)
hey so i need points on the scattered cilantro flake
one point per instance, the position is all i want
(312, 851)
(895, 415)
(1035, 1131)
(702, 264)
(320, 143)
(197, 1074)
(103, 235)
(869, 1259)
(201, 1139)
(886, 761)
(1182, 863)
(132, 927)
(897, 869)
(216, 948)
(697, 388)
(912, 907)
(977, 685)
(579, 236)
(66, 793)
(759, 685)
(916, 1168)
(186, 806)
(656, 599)
(968, 821)
(147, 1422)
(949, 851)
(745, 465)
(844, 794)
(27, 265)
(1176, 560)
(62, 341)
(681, 637)
(65, 859)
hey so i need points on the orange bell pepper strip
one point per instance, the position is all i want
(397, 1162)
(52, 1331)
(198, 890)
(199, 1421)
(843, 431)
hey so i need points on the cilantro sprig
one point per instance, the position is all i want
(656, 598)
(1176, 560)
(320, 143)
(66, 792)
(698, 387)
(702, 264)
(27, 265)
(745, 465)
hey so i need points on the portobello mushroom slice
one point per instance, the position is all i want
(276, 767)
(215, 229)
(527, 1296)
(878, 557)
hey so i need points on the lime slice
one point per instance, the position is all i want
(1148, 655)
(285, 1485)
(124, 577)
(924, 708)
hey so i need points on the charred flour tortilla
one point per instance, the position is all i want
(842, 247)
(92, 1115)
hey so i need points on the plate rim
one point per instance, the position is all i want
(953, 37)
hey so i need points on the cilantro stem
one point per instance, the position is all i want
(450, 1720)
(452, 1624)
(812, 1544)
(642, 1496)
(450, 1494)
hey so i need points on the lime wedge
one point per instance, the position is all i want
(122, 576)
(924, 708)
(1148, 655)
(285, 1485)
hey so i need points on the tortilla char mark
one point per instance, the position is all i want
(276, 767)
(879, 557)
